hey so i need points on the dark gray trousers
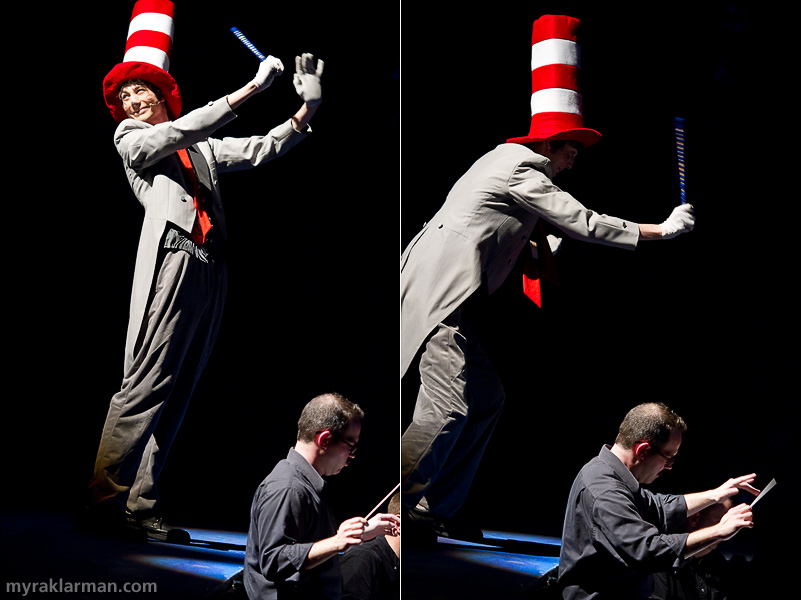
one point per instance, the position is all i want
(182, 322)
(458, 405)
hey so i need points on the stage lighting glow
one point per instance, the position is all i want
(213, 554)
(521, 564)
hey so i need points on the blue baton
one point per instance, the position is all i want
(247, 43)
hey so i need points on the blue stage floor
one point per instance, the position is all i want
(41, 553)
(506, 566)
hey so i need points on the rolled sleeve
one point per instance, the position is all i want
(280, 517)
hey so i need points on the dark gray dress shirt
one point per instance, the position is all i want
(617, 534)
(288, 515)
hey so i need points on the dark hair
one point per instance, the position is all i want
(649, 422)
(557, 144)
(327, 412)
(153, 88)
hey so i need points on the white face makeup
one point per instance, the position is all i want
(141, 103)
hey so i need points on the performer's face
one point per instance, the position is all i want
(562, 157)
(141, 103)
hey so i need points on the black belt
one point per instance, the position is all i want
(213, 250)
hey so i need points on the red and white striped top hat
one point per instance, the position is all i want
(147, 56)
(556, 102)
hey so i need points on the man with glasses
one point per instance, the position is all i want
(616, 533)
(293, 542)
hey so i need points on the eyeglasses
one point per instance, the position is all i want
(352, 446)
(669, 460)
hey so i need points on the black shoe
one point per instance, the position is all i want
(418, 528)
(108, 519)
(426, 526)
(460, 529)
(156, 528)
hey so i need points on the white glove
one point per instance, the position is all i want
(307, 79)
(269, 69)
(681, 220)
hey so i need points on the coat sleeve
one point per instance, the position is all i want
(234, 154)
(534, 191)
(141, 145)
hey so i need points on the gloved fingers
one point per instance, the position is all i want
(681, 220)
(275, 65)
(269, 68)
(304, 64)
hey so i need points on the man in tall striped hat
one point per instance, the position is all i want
(180, 277)
(492, 216)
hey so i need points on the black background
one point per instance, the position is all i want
(310, 309)
(703, 322)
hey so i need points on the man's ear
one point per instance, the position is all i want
(323, 439)
(641, 450)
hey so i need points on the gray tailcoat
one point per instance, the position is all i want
(480, 230)
(154, 172)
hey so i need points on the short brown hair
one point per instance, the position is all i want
(649, 422)
(327, 412)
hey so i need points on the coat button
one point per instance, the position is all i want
(183, 197)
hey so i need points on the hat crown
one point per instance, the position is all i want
(150, 33)
(556, 100)
(148, 48)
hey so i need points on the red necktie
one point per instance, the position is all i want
(534, 269)
(202, 222)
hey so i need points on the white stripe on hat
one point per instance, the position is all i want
(555, 51)
(152, 22)
(556, 100)
(148, 54)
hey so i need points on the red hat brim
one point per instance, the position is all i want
(587, 137)
(140, 70)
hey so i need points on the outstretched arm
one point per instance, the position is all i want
(308, 86)
(306, 81)
(681, 220)
(700, 500)
(269, 69)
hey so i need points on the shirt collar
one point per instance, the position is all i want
(618, 467)
(305, 469)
